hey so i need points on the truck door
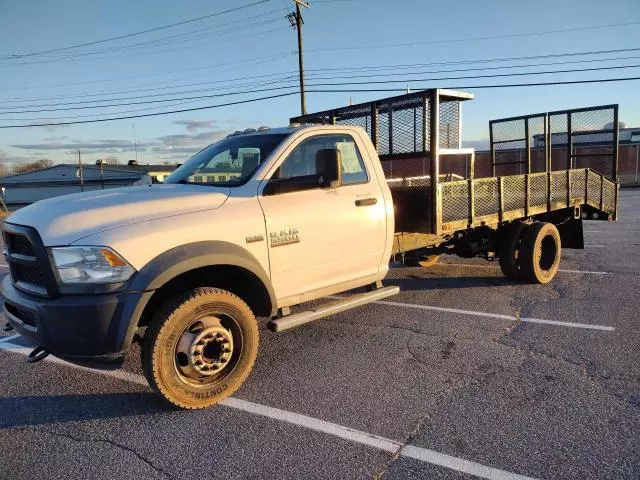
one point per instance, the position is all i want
(320, 237)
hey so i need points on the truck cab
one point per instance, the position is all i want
(249, 226)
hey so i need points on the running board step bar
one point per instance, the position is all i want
(296, 319)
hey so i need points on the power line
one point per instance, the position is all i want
(468, 87)
(238, 102)
(329, 84)
(129, 35)
(501, 67)
(470, 39)
(251, 61)
(291, 77)
(474, 87)
(190, 34)
(149, 46)
(342, 69)
(494, 75)
(77, 57)
(12, 108)
(217, 84)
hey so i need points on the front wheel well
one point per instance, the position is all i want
(234, 279)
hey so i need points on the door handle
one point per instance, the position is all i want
(365, 202)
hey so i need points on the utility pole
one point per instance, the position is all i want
(102, 173)
(296, 21)
(80, 168)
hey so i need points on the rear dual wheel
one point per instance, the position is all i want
(530, 253)
(540, 253)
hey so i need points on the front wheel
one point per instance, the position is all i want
(200, 347)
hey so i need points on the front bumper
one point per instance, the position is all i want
(87, 329)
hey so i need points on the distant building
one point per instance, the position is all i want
(590, 138)
(221, 172)
(29, 187)
(157, 172)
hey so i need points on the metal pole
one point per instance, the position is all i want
(492, 153)
(569, 142)
(615, 144)
(637, 158)
(527, 144)
(299, 22)
(80, 168)
(434, 147)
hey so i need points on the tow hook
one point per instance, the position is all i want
(38, 353)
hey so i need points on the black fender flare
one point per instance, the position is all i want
(184, 258)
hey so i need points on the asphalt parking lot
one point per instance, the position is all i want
(464, 374)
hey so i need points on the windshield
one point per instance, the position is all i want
(229, 162)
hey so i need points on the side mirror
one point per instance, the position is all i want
(329, 167)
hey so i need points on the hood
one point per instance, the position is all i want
(66, 219)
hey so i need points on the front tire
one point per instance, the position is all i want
(200, 347)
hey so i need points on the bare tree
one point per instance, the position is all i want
(31, 166)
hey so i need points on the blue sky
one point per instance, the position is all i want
(253, 49)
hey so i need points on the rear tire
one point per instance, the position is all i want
(509, 249)
(200, 347)
(540, 253)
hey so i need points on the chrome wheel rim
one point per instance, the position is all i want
(208, 350)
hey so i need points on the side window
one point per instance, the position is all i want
(301, 163)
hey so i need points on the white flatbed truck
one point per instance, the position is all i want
(300, 213)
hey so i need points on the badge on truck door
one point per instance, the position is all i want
(284, 237)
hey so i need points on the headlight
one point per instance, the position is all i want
(90, 265)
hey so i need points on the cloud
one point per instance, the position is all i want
(8, 158)
(95, 146)
(176, 146)
(192, 142)
(195, 125)
(168, 149)
(54, 139)
(48, 128)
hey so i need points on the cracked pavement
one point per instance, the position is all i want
(546, 401)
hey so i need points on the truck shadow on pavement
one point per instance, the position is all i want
(22, 411)
(416, 282)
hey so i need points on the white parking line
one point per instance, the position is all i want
(590, 272)
(494, 315)
(9, 338)
(317, 425)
